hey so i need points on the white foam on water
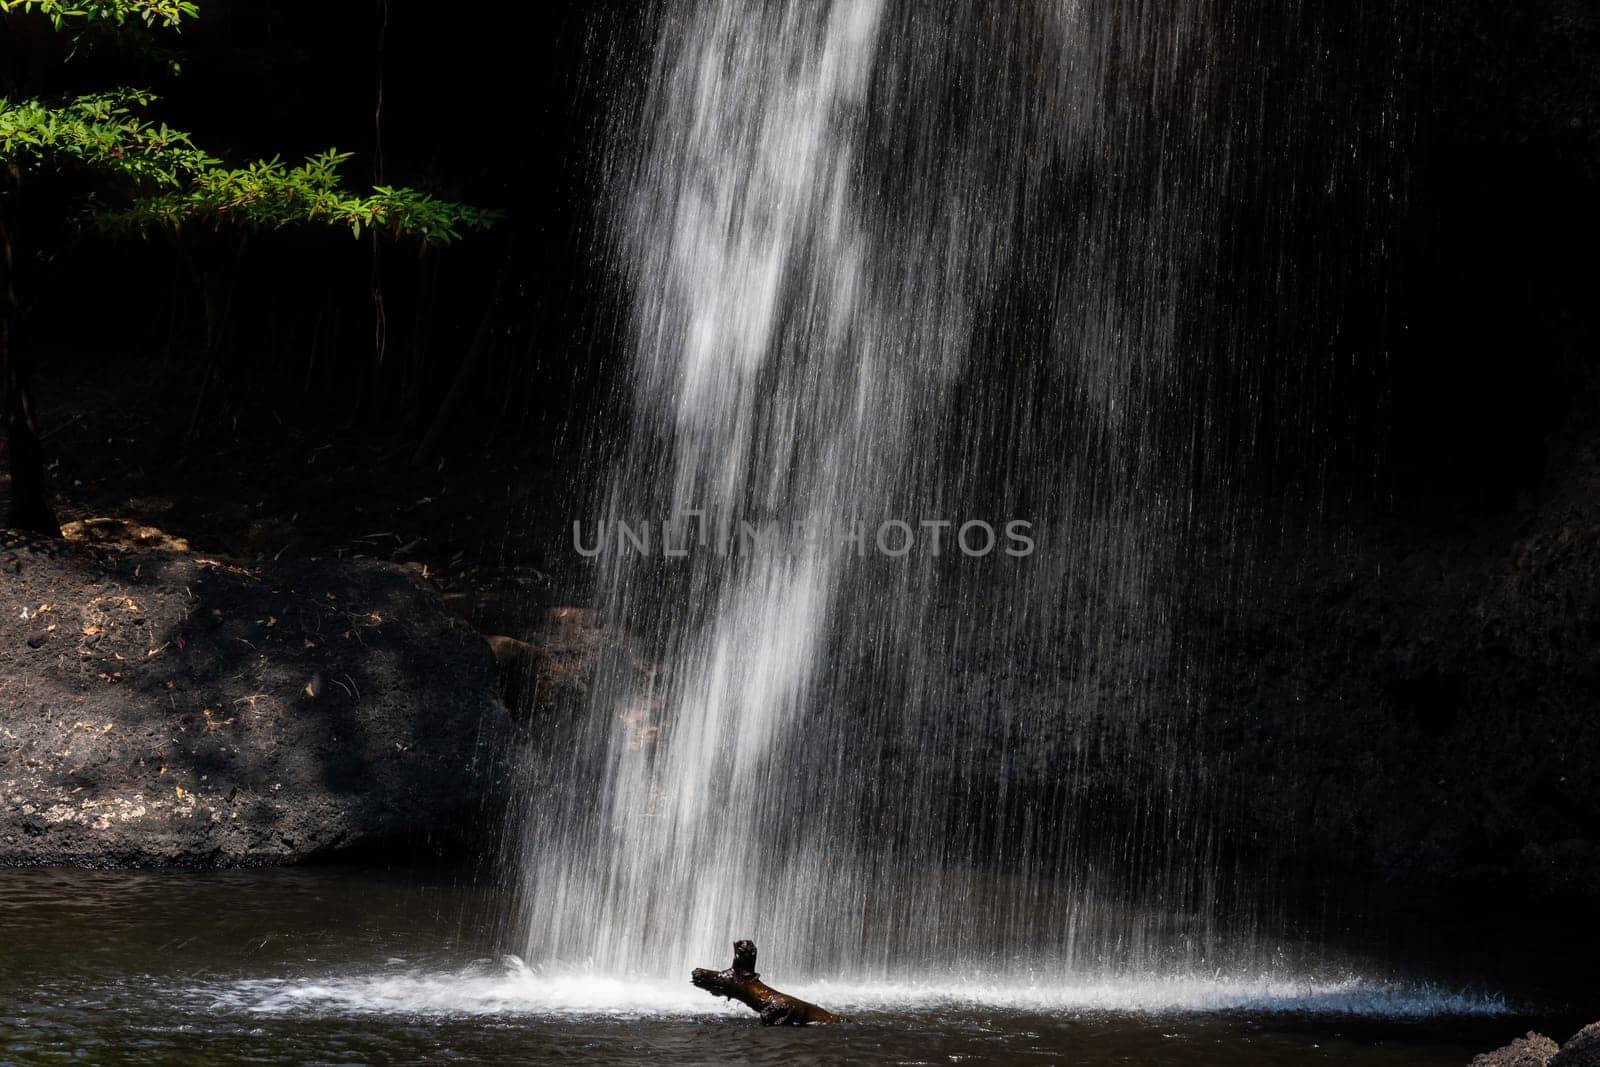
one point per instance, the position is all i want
(513, 989)
(1351, 995)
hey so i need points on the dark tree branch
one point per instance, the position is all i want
(741, 982)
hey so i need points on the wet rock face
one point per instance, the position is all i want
(1426, 711)
(161, 708)
(548, 663)
(549, 668)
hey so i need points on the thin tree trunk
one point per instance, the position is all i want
(458, 389)
(217, 291)
(30, 493)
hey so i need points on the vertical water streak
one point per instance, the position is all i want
(903, 261)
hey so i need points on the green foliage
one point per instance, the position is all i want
(160, 180)
(271, 195)
(100, 131)
(62, 14)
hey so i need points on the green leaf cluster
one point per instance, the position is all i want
(100, 131)
(162, 180)
(272, 195)
(64, 13)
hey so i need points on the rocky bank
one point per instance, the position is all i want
(1536, 1050)
(159, 707)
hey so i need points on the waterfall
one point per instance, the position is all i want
(887, 261)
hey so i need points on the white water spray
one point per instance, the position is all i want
(895, 261)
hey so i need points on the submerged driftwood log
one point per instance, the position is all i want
(741, 982)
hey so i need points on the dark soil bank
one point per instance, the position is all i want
(165, 708)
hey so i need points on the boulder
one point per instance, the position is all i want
(1532, 1050)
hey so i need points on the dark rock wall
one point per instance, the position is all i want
(1424, 702)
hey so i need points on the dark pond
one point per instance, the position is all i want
(340, 966)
